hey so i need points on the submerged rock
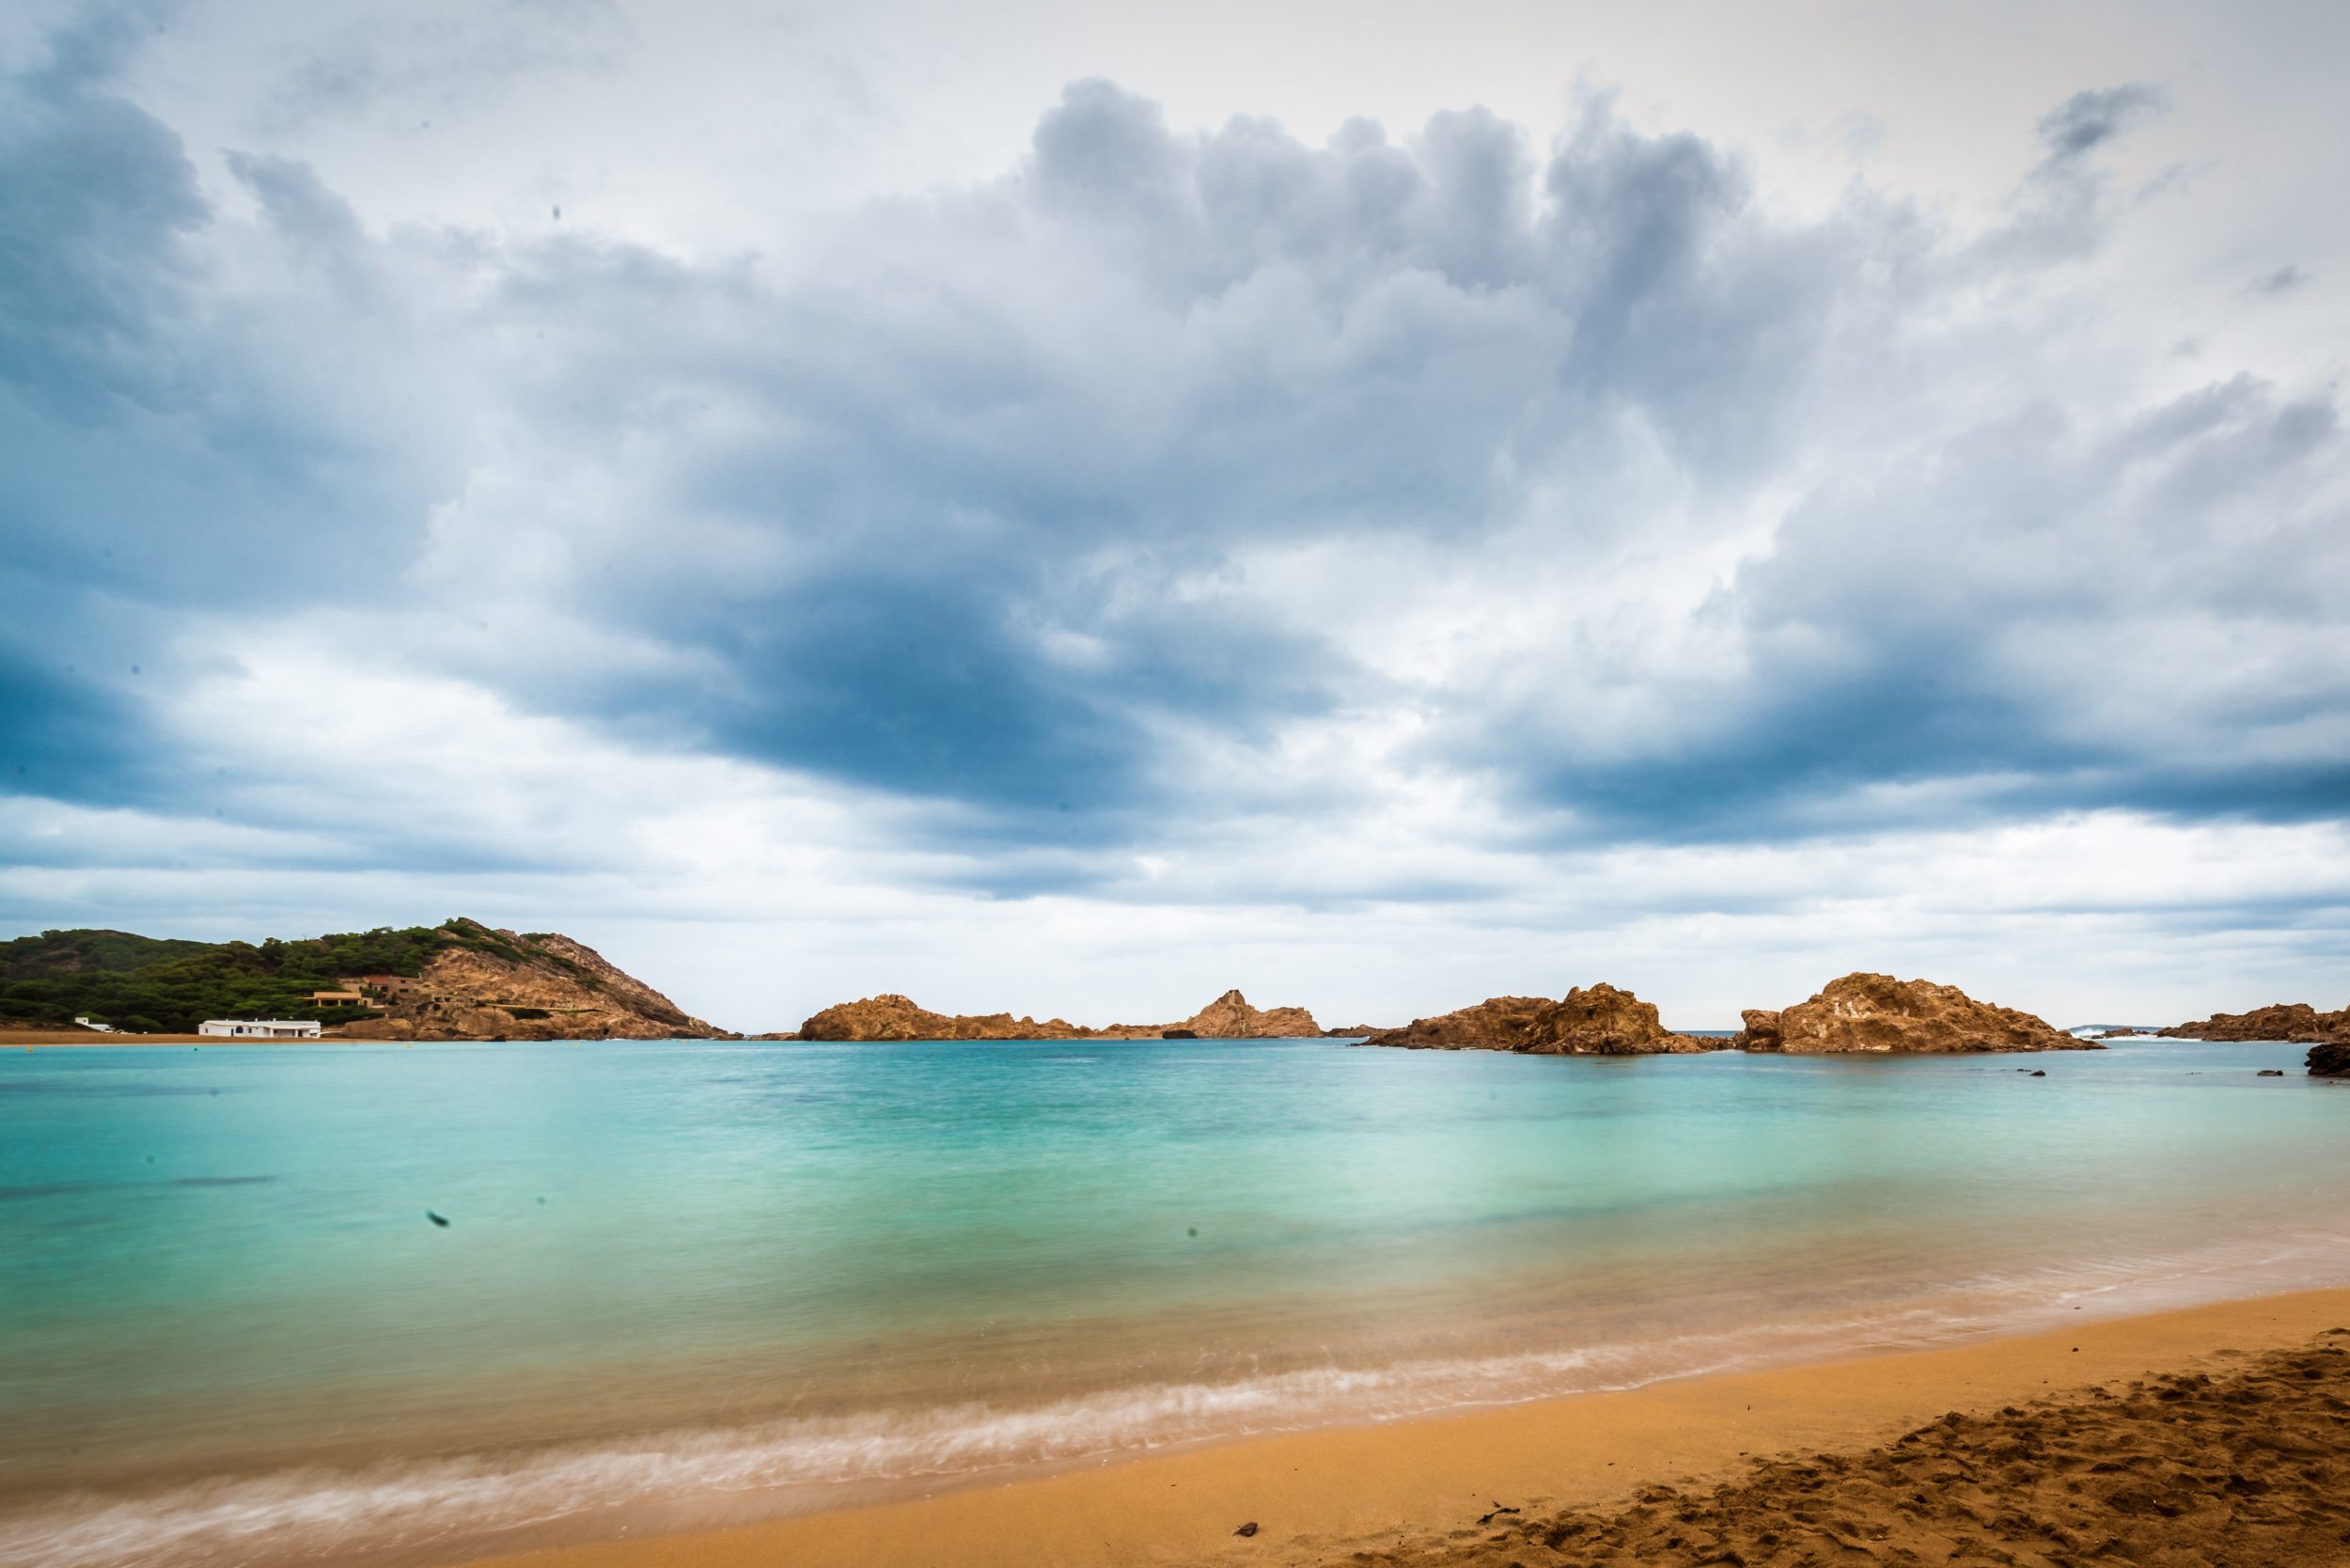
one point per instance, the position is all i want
(2292, 1021)
(1877, 1012)
(1601, 1021)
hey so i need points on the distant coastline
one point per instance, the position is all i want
(466, 981)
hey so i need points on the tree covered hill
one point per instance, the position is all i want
(161, 986)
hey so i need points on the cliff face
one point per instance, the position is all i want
(894, 1017)
(2293, 1021)
(534, 987)
(1601, 1021)
(1877, 1012)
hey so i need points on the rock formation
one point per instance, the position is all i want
(510, 986)
(1600, 1021)
(2330, 1061)
(1231, 1017)
(1877, 1012)
(2297, 1022)
(890, 1016)
(894, 1017)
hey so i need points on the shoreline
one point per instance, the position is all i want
(1410, 1486)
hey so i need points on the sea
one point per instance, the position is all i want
(362, 1303)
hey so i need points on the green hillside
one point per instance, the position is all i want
(159, 986)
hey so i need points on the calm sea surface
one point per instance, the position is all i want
(688, 1282)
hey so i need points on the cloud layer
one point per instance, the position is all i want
(1177, 518)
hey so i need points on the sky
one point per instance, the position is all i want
(1069, 507)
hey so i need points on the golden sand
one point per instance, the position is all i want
(1412, 1492)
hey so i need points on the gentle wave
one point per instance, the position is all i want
(309, 1513)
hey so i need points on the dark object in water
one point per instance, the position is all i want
(1248, 1529)
(2272, 1072)
(439, 1219)
(2040, 1072)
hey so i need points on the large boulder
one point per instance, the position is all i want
(1877, 1012)
(2330, 1061)
(2292, 1021)
(1601, 1021)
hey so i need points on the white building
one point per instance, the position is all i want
(93, 1024)
(260, 1029)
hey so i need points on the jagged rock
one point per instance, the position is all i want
(1602, 1020)
(550, 988)
(894, 1017)
(2297, 1022)
(1231, 1017)
(1877, 1012)
(890, 1016)
(2330, 1061)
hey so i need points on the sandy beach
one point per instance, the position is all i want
(2219, 1432)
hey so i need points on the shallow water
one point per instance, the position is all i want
(713, 1276)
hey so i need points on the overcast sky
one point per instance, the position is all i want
(1069, 507)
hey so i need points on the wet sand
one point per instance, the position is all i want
(2062, 1441)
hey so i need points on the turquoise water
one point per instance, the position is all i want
(706, 1280)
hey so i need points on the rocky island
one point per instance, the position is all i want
(1601, 1021)
(890, 1016)
(1877, 1012)
(2296, 1022)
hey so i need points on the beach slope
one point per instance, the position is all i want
(2216, 1432)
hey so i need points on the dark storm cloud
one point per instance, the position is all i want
(2028, 620)
(1022, 498)
(1015, 439)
